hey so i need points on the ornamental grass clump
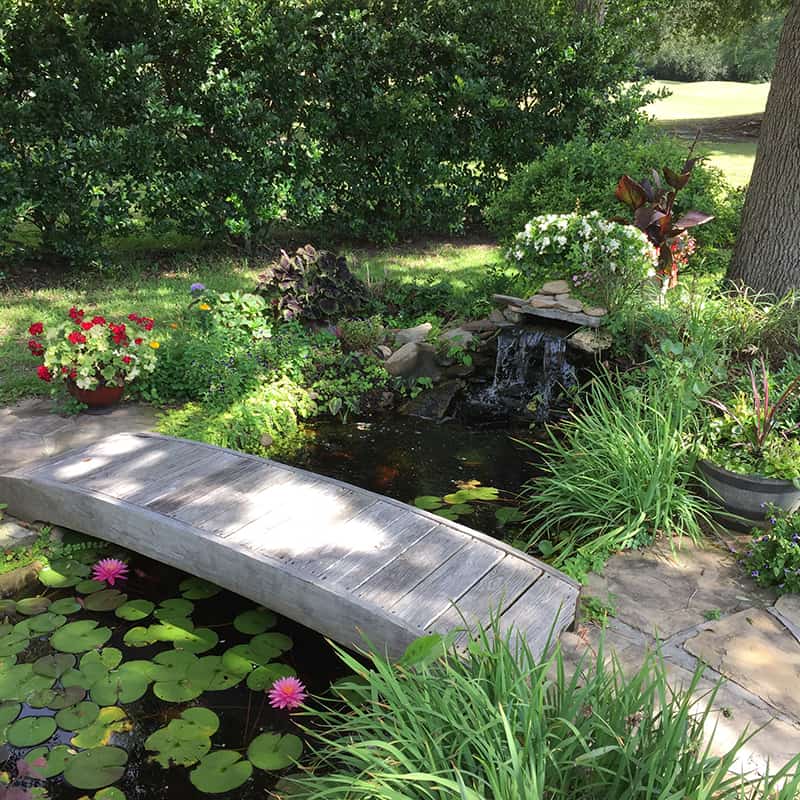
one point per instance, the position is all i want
(504, 725)
(615, 474)
(94, 352)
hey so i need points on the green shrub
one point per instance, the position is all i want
(584, 172)
(614, 475)
(361, 334)
(773, 558)
(503, 725)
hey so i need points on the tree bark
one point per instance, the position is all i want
(767, 253)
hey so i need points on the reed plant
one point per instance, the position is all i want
(504, 725)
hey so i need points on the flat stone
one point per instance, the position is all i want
(555, 287)
(566, 296)
(480, 325)
(384, 351)
(542, 301)
(590, 341)
(571, 305)
(513, 314)
(753, 649)
(417, 334)
(12, 535)
(433, 403)
(497, 317)
(402, 362)
(595, 311)
(661, 593)
(457, 336)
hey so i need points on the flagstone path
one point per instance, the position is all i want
(696, 604)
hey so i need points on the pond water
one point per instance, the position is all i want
(167, 645)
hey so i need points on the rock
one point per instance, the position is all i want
(590, 341)
(497, 317)
(433, 403)
(555, 287)
(595, 311)
(457, 336)
(570, 305)
(513, 314)
(542, 301)
(384, 351)
(402, 362)
(266, 440)
(503, 300)
(416, 334)
(754, 650)
(14, 535)
(566, 296)
(480, 325)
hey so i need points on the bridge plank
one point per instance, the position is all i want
(446, 584)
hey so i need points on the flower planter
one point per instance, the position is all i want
(101, 397)
(746, 495)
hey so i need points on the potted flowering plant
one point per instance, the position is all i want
(95, 358)
(752, 451)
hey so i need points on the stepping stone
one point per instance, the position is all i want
(595, 311)
(571, 305)
(555, 287)
(542, 301)
(753, 649)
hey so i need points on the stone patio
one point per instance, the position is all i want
(694, 603)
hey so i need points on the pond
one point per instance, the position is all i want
(157, 687)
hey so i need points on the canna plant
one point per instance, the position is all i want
(652, 203)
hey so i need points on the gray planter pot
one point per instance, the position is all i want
(745, 495)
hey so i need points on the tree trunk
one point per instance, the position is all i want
(767, 254)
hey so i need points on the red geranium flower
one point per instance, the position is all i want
(146, 323)
(35, 347)
(126, 359)
(99, 320)
(64, 370)
(134, 317)
(44, 373)
(36, 329)
(138, 340)
(76, 337)
(73, 374)
(76, 314)
(87, 326)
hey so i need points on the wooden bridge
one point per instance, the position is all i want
(351, 564)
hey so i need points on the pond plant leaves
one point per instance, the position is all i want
(66, 605)
(270, 645)
(30, 606)
(174, 608)
(13, 640)
(62, 573)
(508, 514)
(56, 699)
(119, 686)
(19, 681)
(198, 589)
(272, 751)
(200, 640)
(109, 720)
(428, 502)
(262, 678)
(220, 771)
(109, 793)
(105, 600)
(135, 610)
(186, 740)
(80, 636)
(211, 673)
(8, 713)
(172, 665)
(90, 586)
(255, 621)
(77, 717)
(45, 623)
(139, 637)
(30, 731)
(178, 691)
(96, 768)
(7, 608)
(485, 493)
(55, 760)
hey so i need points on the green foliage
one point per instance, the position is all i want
(584, 172)
(361, 334)
(614, 476)
(520, 728)
(773, 558)
(312, 285)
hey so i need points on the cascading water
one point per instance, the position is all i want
(531, 373)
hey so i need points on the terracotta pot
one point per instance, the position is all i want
(101, 397)
(743, 495)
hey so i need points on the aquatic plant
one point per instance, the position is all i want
(110, 570)
(288, 693)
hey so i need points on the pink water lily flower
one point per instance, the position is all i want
(287, 693)
(110, 570)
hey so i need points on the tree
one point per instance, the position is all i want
(767, 253)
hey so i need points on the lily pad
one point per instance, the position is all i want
(105, 600)
(178, 691)
(30, 606)
(135, 610)
(98, 733)
(255, 621)
(7, 608)
(19, 681)
(55, 760)
(272, 751)
(77, 717)
(239, 658)
(447, 513)
(428, 502)
(13, 640)
(139, 637)
(119, 686)
(66, 605)
(55, 665)
(109, 793)
(204, 719)
(198, 589)
(172, 665)
(46, 622)
(211, 673)
(96, 768)
(77, 637)
(186, 740)
(220, 771)
(270, 645)
(90, 586)
(56, 698)
(175, 607)
(177, 630)
(29, 731)
(59, 578)
(141, 668)
(96, 662)
(262, 678)
(8, 713)
(487, 493)
(200, 640)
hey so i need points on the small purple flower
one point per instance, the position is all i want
(764, 539)
(755, 573)
(772, 520)
(197, 287)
